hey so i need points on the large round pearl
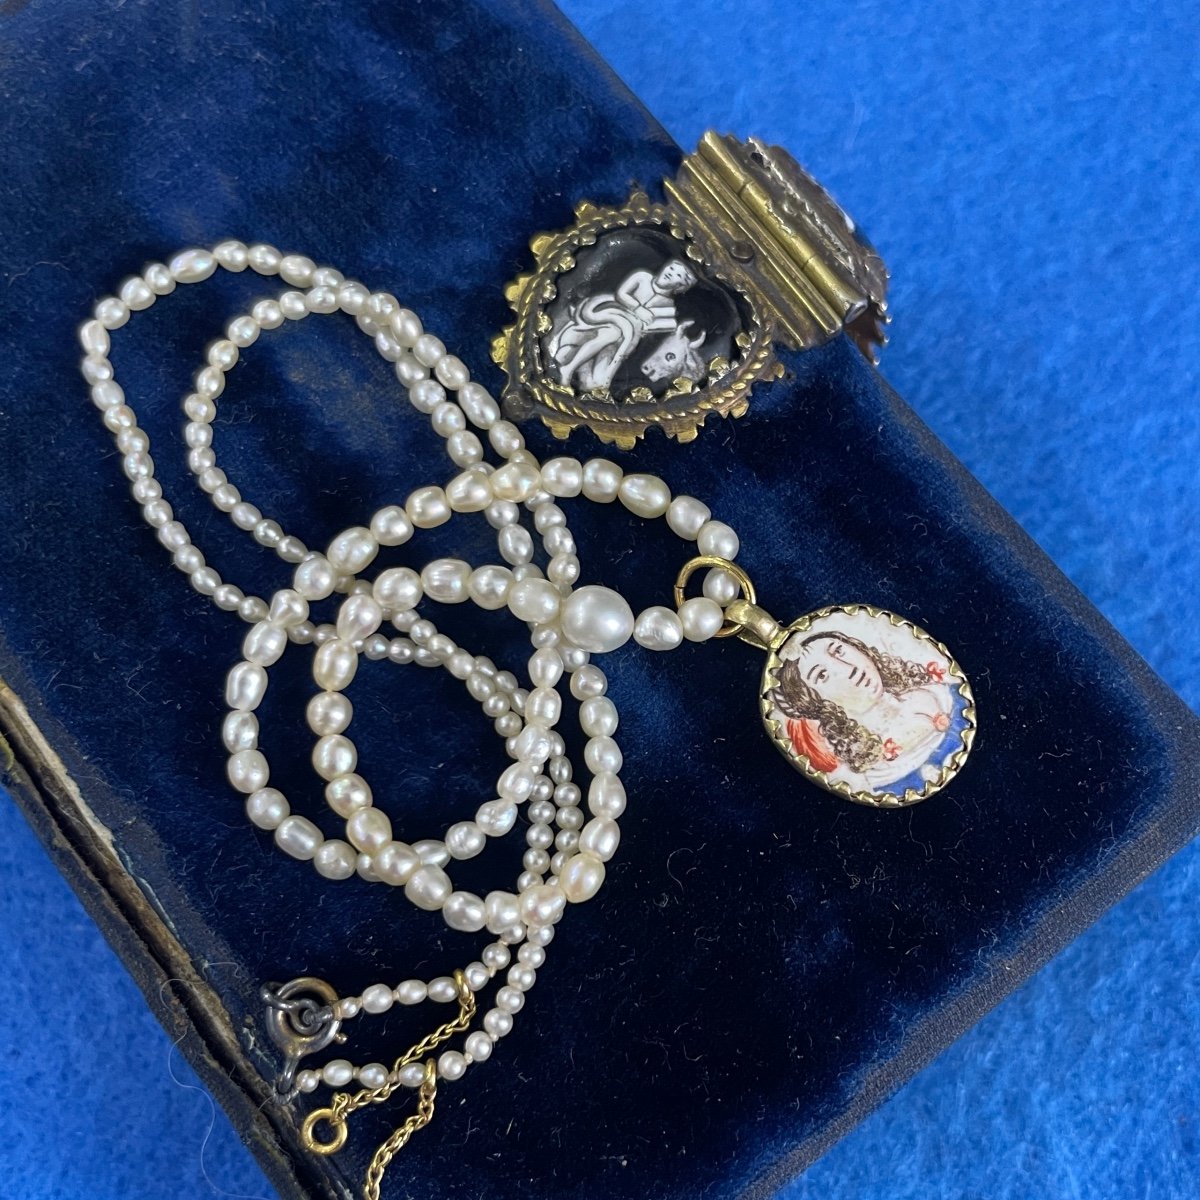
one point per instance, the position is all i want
(597, 619)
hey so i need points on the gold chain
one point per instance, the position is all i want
(343, 1104)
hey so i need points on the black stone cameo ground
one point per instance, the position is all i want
(636, 312)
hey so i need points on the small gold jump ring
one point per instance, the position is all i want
(341, 1131)
(729, 628)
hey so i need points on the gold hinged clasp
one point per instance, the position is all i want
(800, 253)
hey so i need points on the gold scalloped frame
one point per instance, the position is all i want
(685, 406)
(949, 769)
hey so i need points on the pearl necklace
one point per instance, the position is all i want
(567, 625)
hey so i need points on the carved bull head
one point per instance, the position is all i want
(677, 357)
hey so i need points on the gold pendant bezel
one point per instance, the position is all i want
(776, 730)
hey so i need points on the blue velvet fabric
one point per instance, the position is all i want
(767, 961)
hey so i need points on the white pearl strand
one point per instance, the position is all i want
(581, 621)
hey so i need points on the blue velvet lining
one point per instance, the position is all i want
(765, 958)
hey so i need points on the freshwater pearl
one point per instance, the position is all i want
(606, 795)
(411, 991)
(378, 998)
(534, 600)
(658, 628)
(469, 492)
(489, 586)
(369, 830)
(700, 618)
(464, 911)
(347, 793)
(299, 837)
(715, 537)
(314, 578)
(721, 586)
(192, 266)
(502, 910)
(335, 665)
(465, 839)
(582, 878)
(561, 476)
(428, 507)
(358, 618)
(429, 888)
(496, 817)
(267, 808)
(687, 516)
(598, 716)
(541, 905)
(398, 589)
(445, 580)
(597, 619)
(600, 838)
(247, 770)
(391, 526)
(644, 495)
(245, 686)
(239, 731)
(352, 550)
(264, 644)
(334, 860)
(396, 863)
(334, 755)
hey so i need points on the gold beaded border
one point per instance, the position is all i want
(949, 769)
(684, 408)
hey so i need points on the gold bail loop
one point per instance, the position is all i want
(743, 618)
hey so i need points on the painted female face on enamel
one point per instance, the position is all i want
(841, 672)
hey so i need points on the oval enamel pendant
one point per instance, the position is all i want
(867, 705)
